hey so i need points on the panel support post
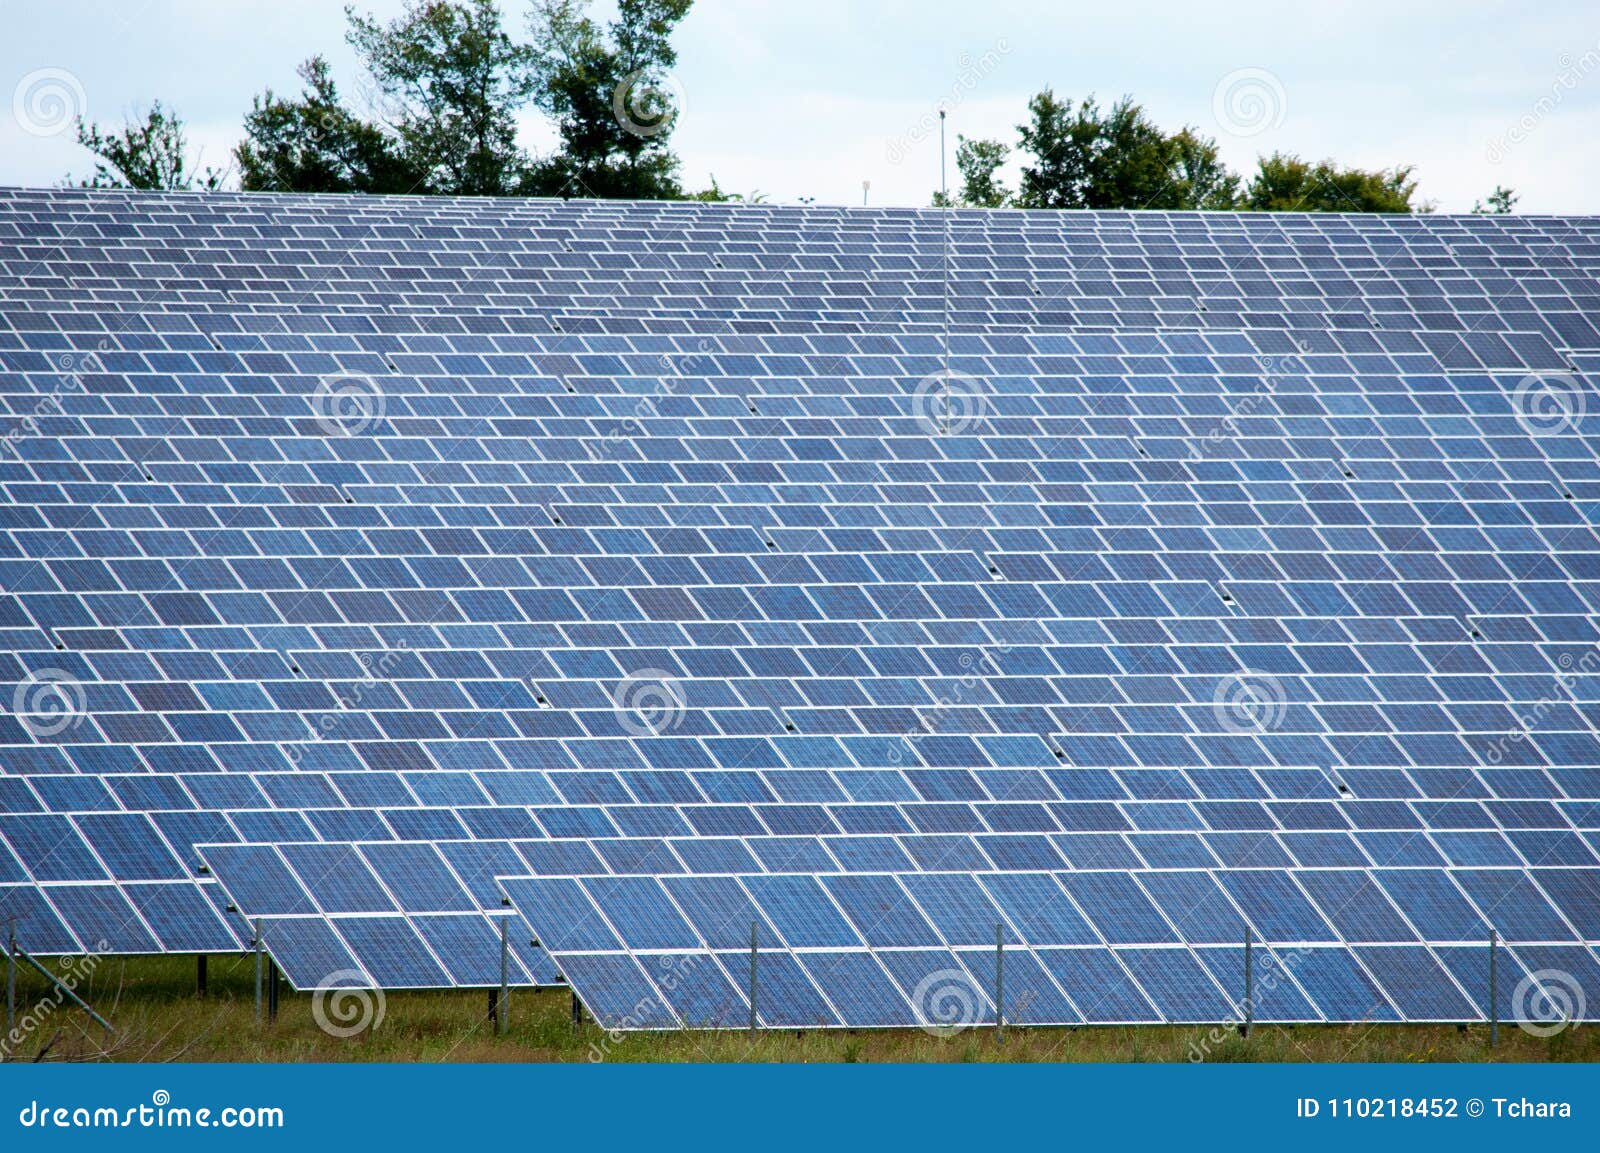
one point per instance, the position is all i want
(11, 977)
(753, 947)
(577, 1010)
(1494, 1001)
(502, 1008)
(272, 991)
(255, 944)
(999, 985)
(1249, 983)
(200, 976)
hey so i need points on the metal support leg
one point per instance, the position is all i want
(577, 1011)
(255, 944)
(272, 991)
(753, 978)
(1249, 983)
(1494, 1001)
(11, 978)
(502, 1012)
(200, 976)
(999, 985)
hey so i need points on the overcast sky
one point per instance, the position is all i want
(809, 98)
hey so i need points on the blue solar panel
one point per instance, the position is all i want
(1253, 583)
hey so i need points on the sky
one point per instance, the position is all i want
(813, 98)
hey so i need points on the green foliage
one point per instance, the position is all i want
(1285, 183)
(314, 145)
(1117, 158)
(1502, 202)
(715, 195)
(150, 154)
(977, 161)
(607, 91)
(453, 81)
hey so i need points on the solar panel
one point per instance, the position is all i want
(693, 566)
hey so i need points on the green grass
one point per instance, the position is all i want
(157, 1016)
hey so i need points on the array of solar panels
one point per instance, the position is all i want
(876, 583)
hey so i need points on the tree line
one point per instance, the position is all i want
(447, 78)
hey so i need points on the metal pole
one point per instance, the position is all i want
(999, 986)
(753, 978)
(944, 193)
(11, 978)
(577, 1011)
(200, 976)
(272, 991)
(1494, 1002)
(255, 943)
(1249, 983)
(502, 1010)
(76, 1000)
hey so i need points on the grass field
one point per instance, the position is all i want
(153, 1006)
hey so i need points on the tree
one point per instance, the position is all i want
(978, 161)
(608, 92)
(149, 154)
(454, 81)
(1501, 203)
(314, 144)
(1119, 158)
(1285, 183)
(1204, 182)
(1061, 145)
